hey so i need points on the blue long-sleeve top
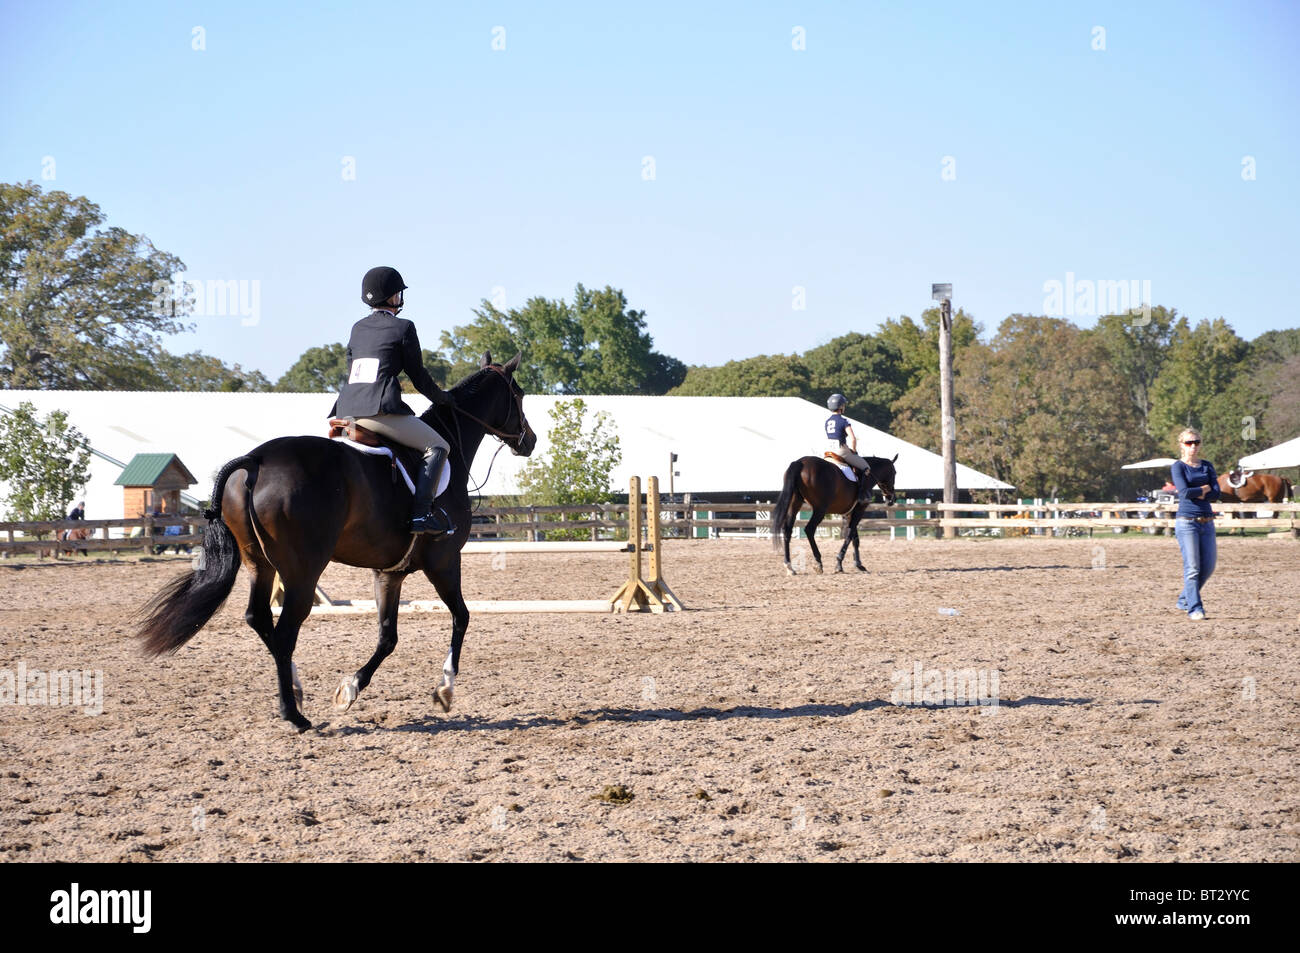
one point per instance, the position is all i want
(1188, 481)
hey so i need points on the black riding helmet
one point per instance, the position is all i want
(380, 284)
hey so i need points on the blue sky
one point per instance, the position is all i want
(522, 169)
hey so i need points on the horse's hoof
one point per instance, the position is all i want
(861, 568)
(788, 570)
(443, 697)
(295, 718)
(839, 568)
(347, 693)
(818, 569)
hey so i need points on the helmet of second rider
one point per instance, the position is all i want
(837, 402)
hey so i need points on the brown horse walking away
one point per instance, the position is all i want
(1258, 488)
(827, 490)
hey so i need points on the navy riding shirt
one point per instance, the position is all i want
(1189, 481)
(836, 425)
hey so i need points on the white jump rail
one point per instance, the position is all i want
(647, 592)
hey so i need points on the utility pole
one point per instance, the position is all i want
(943, 294)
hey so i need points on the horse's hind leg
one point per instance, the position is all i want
(388, 596)
(792, 514)
(259, 617)
(850, 536)
(298, 597)
(810, 528)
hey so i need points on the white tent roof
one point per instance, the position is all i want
(1156, 464)
(724, 444)
(1274, 458)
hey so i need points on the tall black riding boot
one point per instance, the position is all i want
(425, 517)
(863, 483)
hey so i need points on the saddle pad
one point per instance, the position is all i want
(443, 480)
(849, 473)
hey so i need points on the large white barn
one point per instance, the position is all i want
(727, 447)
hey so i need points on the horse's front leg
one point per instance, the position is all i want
(388, 597)
(844, 547)
(446, 579)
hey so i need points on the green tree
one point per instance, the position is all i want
(1195, 388)
(437, 367)
(78, 303)
(618, 354)
(1281, 382)
(767, 375)
(1274, 367)
(197, 371)
(318, 370)
(578, 463)
(45, 464)
(917, 345)
(596, 345)
(865, 369)
(1138, 352)
(496, 332)
(1036, 408)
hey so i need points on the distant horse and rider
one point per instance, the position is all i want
(839, 483)
(822, 484)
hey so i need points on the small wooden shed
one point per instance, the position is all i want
(151, 478)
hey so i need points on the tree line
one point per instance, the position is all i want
(1050, 407)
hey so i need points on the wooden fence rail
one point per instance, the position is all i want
(679, 519)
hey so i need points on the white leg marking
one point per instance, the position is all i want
(347, 693)
(444, 693)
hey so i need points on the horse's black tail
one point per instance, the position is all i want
(781, 508)
(184, 606)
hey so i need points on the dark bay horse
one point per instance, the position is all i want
(294, 504)
(1257, 488)
(827, 490)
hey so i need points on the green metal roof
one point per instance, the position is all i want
(145, 469)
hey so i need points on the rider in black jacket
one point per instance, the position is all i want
(381, 347)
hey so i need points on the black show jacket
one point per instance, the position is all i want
(381, 347)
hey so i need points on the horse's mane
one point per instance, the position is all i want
(467, 386)
(463, 390)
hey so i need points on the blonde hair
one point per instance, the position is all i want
(1184, 432)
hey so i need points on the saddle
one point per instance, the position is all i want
(347, 427)
(403, 460)
(845, 468)
(1242, 477)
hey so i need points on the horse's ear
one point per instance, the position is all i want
(895, 460)
(487, 359)
(512, 365)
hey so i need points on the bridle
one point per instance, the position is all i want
(514, 439)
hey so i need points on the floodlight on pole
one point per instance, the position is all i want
(943, 294)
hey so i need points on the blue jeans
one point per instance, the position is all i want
(1200, 553)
